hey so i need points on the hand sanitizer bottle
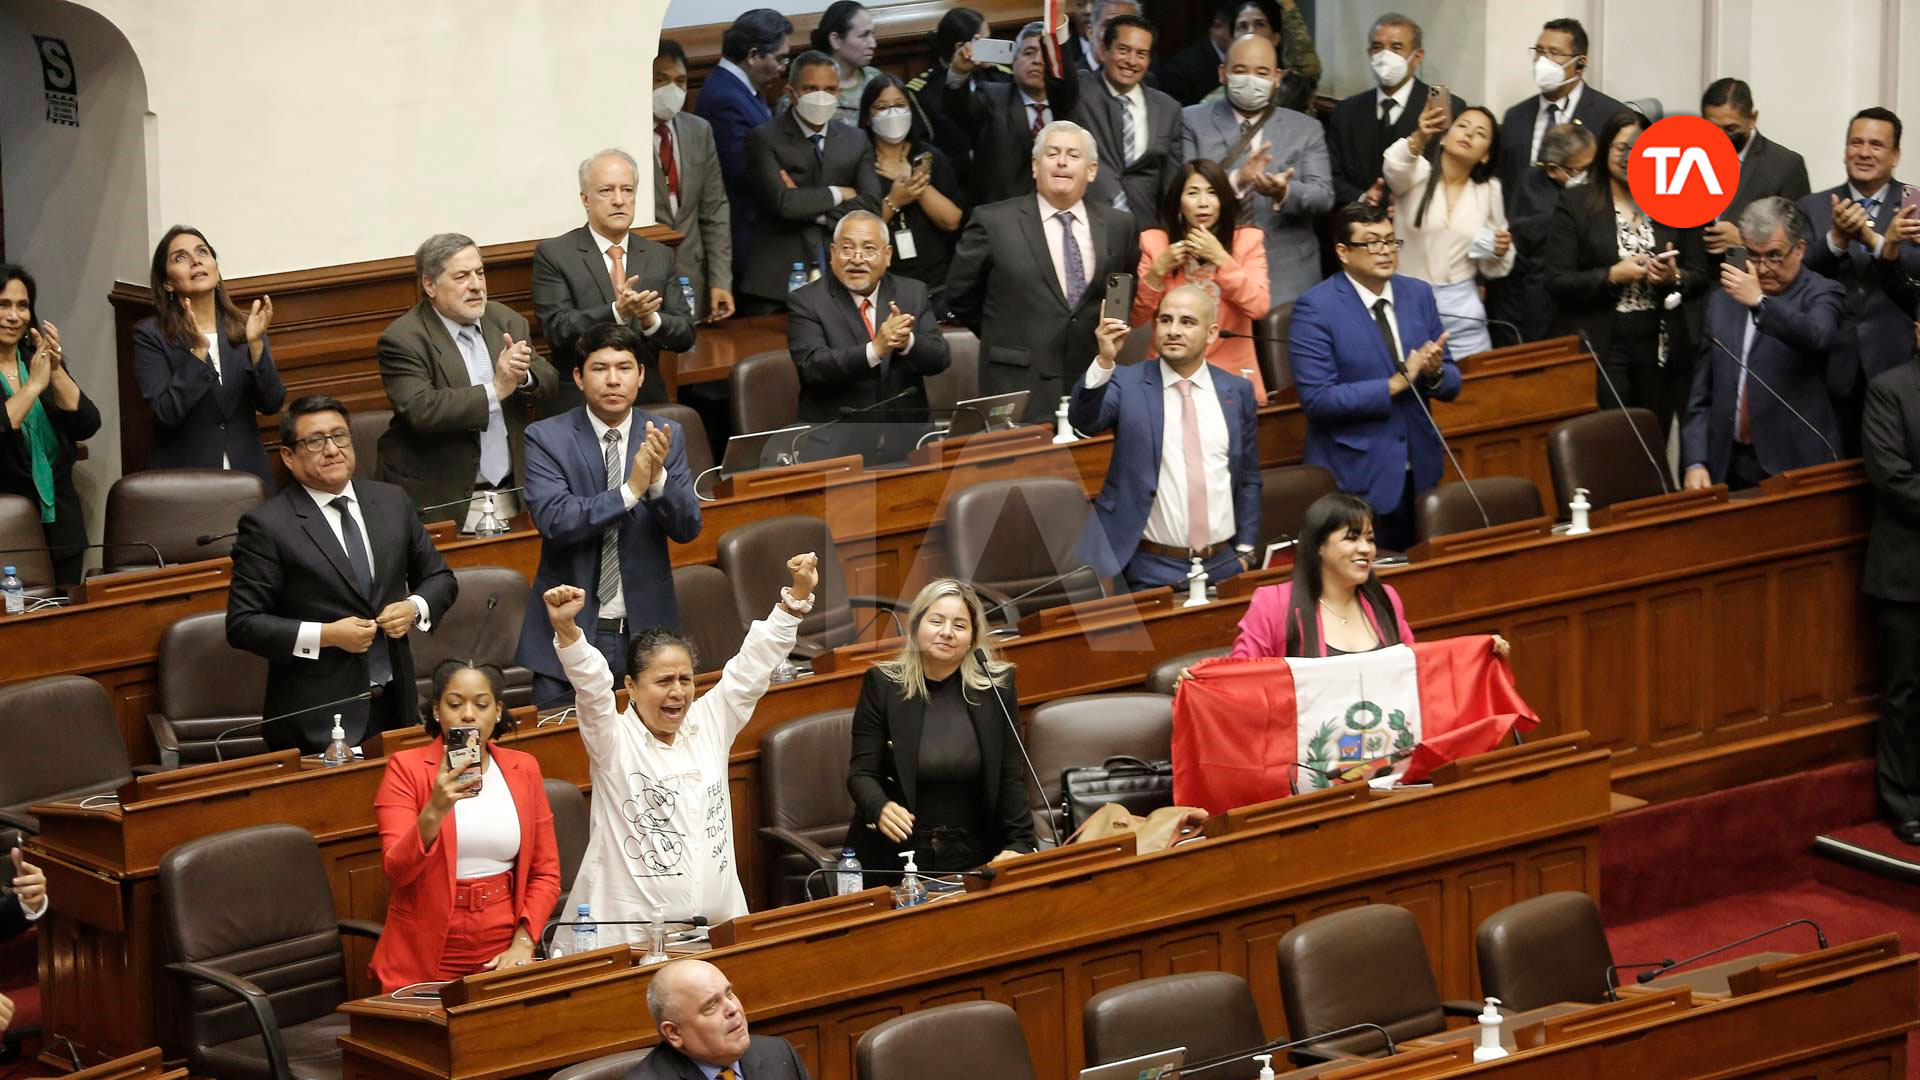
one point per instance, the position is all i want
(1266, 1065)
(1062, 430)
(337, 751)
(656, 938)
(1196, 584)
(1578, 508)
(1490, 1048)
(910, 892)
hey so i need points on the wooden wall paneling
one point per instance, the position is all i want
(1677, 698)
(1047, 1013)
(1482, 893)
(1742, 659)
(1863, 663)
(1426, 898)
(1610, 691)
(1569, 869)
(1542, 659)
(1808, 672)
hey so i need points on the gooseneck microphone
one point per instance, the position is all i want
(158, 562)
(1660, 470)
(1775, 394)
(1083, 568)
(214, 538)
(1276, 1046)
(984, 873)
(1013, 729)
(252, 725)
(1518, 337)
(480, 635)
(1666, 965)
(793, 448)
(1413, 388)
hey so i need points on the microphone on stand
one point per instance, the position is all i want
(1050, 582)
(1277, 1046)
(980, 655)
(1413, 388)
(477, 493)
(1660, 470)
(984, 873)
(1666, 965)
(158, 562)
(793, 448)
(480, 635)
(252, 725)
(1755, 377)
(214, 538)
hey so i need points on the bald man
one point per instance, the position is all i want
(703, 1031)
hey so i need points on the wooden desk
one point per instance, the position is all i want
(717, 348)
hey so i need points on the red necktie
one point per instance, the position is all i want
(1039, 116)
(866, 316)
(667, 163)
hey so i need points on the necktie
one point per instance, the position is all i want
(1076, 269)
(866, 316)
(1039, 116)
(1386, 334)
(819, 145)
(1386, 120)
(667, 164)
(1127, 155)
(725, 1074)
(1197, 519)
(379, 665)
(617, 269)
(609, 583)
(1743, 422)
(494, 457)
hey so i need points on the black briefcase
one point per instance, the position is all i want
(1140, 786)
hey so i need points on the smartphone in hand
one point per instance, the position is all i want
(1737, 256)
(1118, 303)
(992, 51)
(463, 750)
(1443, 97)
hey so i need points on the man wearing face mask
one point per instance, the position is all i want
(1364, 125)
(805, 168)
(1276, 158)
(1766, 168)
(689, 194)
(1138, 127)
(753, 54)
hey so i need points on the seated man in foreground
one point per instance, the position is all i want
(703, 1031)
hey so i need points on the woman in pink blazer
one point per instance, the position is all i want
(1198, 244)
(1335, 604)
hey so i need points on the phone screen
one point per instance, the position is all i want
(1118, 303)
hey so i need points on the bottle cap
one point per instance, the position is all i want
(11, 570)
(911, 868)
(338, 732)
(1492, 1015)
(582, 909)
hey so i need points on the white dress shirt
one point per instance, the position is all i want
(1367, 300)
(1027, 102)
(1167, 521)
(219, 378)
(672, 137)
(652, 322)
(879, 316)
(480, 378)
(616, 608)
(1567, 105)
(1439, 251)
(306, 641)
(1854, 194)
(488, 829)
(1082, 235)
(1135, 102)
(1398, 97)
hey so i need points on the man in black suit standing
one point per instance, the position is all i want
(604, 272)
(1766, 168)
(703, 1031)
(1891, 447)
(860, 337)
(1030, 272)
(1138, 128)
(1192, 73)
(329, 576)
(1364, 125)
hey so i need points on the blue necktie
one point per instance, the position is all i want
(494, 457)
(379, 664)
(1076, 269)
(819, 145)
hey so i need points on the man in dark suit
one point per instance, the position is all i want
(753, 54)
(608, 485)
(329, 576)
(1364, 125)
(1137, 127)
(1891, 448)
(21, 907)
(1193, 72)
(689, 192)
(861, 337)
(1364, 343)
(604, 272)
(1030, 272)
(703, 1031)
(1184, 479)
(1001, 118)
(1773, 323)
(1766, 167)
(460, 375)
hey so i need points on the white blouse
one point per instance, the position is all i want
(1440, 251)
(486, 829)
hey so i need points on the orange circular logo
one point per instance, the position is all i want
(1683, 171)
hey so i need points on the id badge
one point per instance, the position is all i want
(903, 244)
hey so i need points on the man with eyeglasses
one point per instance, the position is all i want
(860, 338)
(1368, 352)
(329, 577)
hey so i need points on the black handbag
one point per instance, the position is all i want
(1140, 786)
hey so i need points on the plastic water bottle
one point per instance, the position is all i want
(16, 593)
(847, 878)
(337, 751)
(797, 279)
(586, 936)
(656, 939)
(686, 293)
(910, 892)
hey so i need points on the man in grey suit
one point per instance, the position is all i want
(689, 192)
(703, 1031)
(603, 272)
(1030, 272)
(459, 374)
(1136, 126)
(1282, 172)
(1766, 167)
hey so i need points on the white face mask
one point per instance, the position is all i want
(816, 108)
(1249, 93)
(1389, 68)
(1577, 179)
(1549, 76)
(667, 101)
(893, 124)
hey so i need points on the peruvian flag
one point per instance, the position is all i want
(1054, 18)
(1243, 729)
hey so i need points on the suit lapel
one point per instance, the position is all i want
(848, 309)
(1036, 230)
(1156, 406)
(906, 747)
(383, 534)
(233, 366)
(314, 523)
(446, 352)
(660, 193)
(1229, 408)
(1353, 302)
(596, 263)
(592, 454)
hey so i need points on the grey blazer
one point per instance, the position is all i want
(572, 293)
(705, 255)
(1297, 142)
(1147, 178)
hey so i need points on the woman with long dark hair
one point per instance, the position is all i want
(953, 72)
(1460, 238)
(1335, 603)
(1200, 243)
(915, 183)
(845, 33)
(45, 419)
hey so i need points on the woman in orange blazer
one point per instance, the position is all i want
(1199, 243)
(470, 853)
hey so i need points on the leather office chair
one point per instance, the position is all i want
(366, 426)
(169, 508)
(1450, 508)
(458, 632)
(571, 825)
(1164, 678)
(766, 392)
(607, 1067)
(948, 1042)
(1598, 452)
(961, 380)
(1211, 1013)
(707, 616)
(1547, 949)
(261, 969)
(1362, 965)
(804, 801)
(754, 558)
(1285, 494)
(1276, 367)
(206, 687)
(1087, 730)
(24, 541)
(62, 741)
(1010, 536)
(699, 450)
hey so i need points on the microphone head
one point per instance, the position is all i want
(493, 601)
(988, 873)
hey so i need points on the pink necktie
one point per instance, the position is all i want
(1197, 517)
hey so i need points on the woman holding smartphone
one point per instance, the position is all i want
(1448, 210)
(1199, 243)
(466, 840)
(915, 183)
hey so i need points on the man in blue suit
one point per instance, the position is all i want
(753, 53)
(1184, 478)
(1776, 324)
(608, 486)
(1368, 352)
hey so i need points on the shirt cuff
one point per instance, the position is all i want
(34, 916)
(628, 499)
(658, 487)
(617, 317)
(873, 355)
(650, 325)
(306, 643)
(1098, 375)
(423, 620)
(838, 198)
(493, 397)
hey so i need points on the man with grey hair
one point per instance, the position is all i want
(605, 272)
(459, 374)
(703, 1031)
(1760, 404)
(1364, 125)
(1001, 119)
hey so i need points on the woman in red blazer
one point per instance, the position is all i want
(470, 853)
(1199, 243)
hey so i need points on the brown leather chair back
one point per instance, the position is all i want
(766, 392)
(1089, 729)
(206, 687)
(457, 634)
(699, 450)
(1015, 535)
(961, 380)
(1164, 678)
(754, 558)
(168, 508)
(284, 939)
(1362, 965)
(707, 615)
(1450, 508)
(1547, 949)
(1271, 347)
(803, 790)
(1598, 452)
(571, 825)
(367, 426)
(24, 539)
(609, 1067)
(1285, 493)
(1211, 1013)
(948, 1042)
(62, 741)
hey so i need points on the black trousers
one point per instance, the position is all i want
(1898, 755)
(1632, 362)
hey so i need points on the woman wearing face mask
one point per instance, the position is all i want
(469, 851)
(46, 417)
(662, 834)
(934, 770)
(1448, 209)
(203, 365)
(1198, 244)
(915, 184)
(846, 34)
